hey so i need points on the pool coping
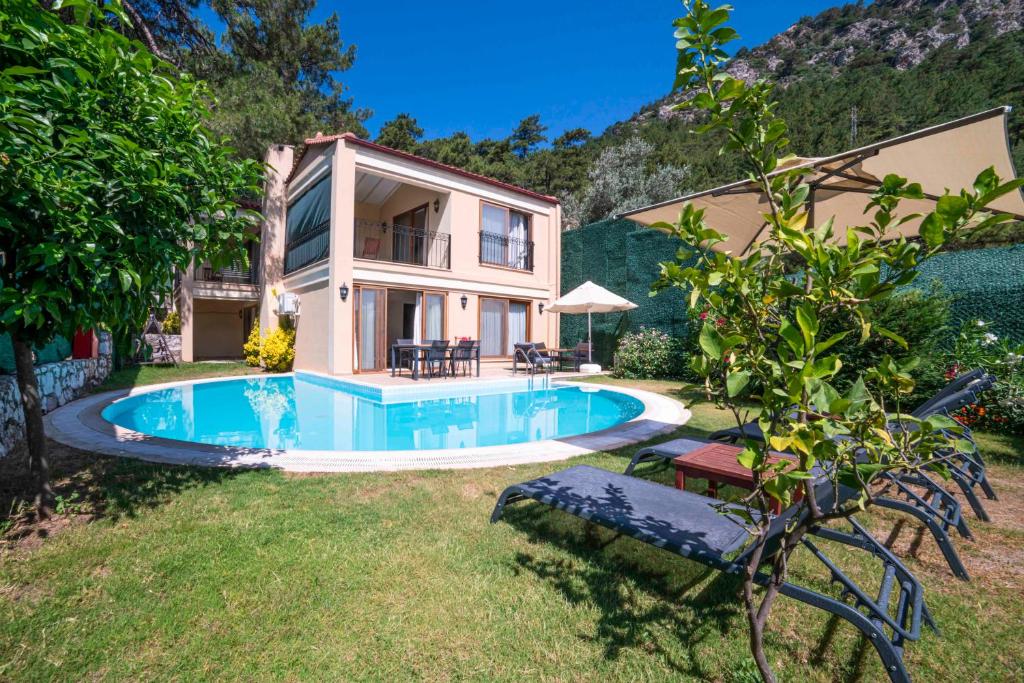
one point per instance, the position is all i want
(79, 424)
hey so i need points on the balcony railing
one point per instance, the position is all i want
(306, 249)
(235, 274)
(509, 252)
(378, 241)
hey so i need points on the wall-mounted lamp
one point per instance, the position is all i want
(343, 290)
(437, 205)
(540, 308)
(464, 301)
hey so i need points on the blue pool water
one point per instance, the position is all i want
(305, 414)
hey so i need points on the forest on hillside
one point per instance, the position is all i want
(894, 65)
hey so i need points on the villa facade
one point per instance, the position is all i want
(368, 245)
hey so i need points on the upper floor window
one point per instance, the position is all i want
(505, 238)
(308, 227)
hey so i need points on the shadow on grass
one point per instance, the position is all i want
(91, 486)
(642, 606)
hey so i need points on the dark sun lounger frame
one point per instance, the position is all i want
(938, 511)
(682, 523)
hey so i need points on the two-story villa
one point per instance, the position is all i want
(380, 245)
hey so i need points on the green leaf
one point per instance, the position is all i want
(933, 231)
(22, 71)
(711, 342)
(889, 334)
(126, 280)
(736, 382)
(808, 322)
(792, 336)
(830, 342)
(951, 208)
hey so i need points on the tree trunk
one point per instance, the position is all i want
(32, 407)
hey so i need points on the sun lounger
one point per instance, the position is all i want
(966, 469)
(939, 511)
(691, 526)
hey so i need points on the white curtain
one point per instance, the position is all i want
(369, 309)
(435, 316)
(516, 324)
(492, 324)
(417, 321)
(517, 245)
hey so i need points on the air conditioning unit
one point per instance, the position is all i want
(287, 303)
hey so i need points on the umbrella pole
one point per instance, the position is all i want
(590, 341)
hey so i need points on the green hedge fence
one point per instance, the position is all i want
(623, 257)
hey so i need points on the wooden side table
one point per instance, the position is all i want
(716, 462)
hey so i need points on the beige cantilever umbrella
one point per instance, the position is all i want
(590, 298)
(947, 156)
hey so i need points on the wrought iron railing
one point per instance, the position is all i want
(236, 274)
(309, 248)
(379, 241)
(509, 252)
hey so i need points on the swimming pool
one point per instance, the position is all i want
(307, 413)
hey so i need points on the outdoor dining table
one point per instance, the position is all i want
(418, 352)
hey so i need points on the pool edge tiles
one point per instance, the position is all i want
(80, 424)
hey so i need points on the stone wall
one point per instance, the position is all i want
(59, 383)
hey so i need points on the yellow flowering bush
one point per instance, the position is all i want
(278, 352)
(252, 347)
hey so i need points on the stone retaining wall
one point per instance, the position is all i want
(59, 383)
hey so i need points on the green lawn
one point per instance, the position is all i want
(210, 574)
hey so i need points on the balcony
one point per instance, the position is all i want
(235, 274)
(393, 243)
(309, 248)
(501, 250)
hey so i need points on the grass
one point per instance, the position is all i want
(213, 574)
(155, 374)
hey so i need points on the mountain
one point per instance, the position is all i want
(899, 64)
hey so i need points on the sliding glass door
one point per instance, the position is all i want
(433, 324)
(370, 326)
(503, 323)
(385, 315)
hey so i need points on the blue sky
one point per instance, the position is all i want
(482, 66)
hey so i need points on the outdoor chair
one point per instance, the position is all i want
(692, 526)
(967, 469)
(938, 511)
(371, 248)
(437, 358)
(580, 355)
(534, 359)
(463, 355)
(405, 356)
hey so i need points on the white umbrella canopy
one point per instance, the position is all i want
(947, 156)
(590, 298)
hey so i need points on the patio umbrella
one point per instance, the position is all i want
(590, 298)
(949, 155)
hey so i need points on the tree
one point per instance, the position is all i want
(620, 180)
(401, 132)
(763, 340)
(277, 73)
(527, 135)
(111, 183)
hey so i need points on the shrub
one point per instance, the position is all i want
(1001, 409)
(172, 323)
(922, 319)
(252, 346)
(648, 354)
(278, 351)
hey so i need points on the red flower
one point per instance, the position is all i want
(704, 315)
